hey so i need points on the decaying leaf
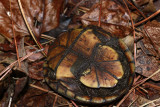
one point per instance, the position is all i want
(36, 70)
(40, 16)
(146, 65)
(152, 38)
(114, 17)
(7, 17)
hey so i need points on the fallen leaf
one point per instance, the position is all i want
(41, 16)
(152, 38)
(112, 15)
(147, 65)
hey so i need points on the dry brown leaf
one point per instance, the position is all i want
(152, 38)
(51, 14)
(36, 98)
(41, 16)
(6, 23)
(135, 100)
(36, 70)
(112, 14)
(146, 65)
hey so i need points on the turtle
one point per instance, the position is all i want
(89, 65)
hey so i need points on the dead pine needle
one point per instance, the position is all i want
(100, 12)
(144, 80)
(75, 105)
(15, 41)
(30, 31)
(146, 19)
(54, 103)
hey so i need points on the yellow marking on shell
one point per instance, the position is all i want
(106, 80)
(52, 85)
(114, 67)
(55, 52)
(63, 38)
(69, 87)
(110, 98)
(70, 94)
(129, 56)
(90, 80)
(127, 53)
(86, 43)
(73, 35)
(97, 100)
(63, 70)
(52, 63)
(130, 80)
(60, 90)
(86, 71)
(106, 53)
(83, 98)
(97, 80)
(132, 67)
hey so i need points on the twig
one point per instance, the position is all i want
(136, 9)
(45, 90)
(100, 13)
(133, 101)
(144, 80)
(153, 15)
(77, 5)
(75, 105)
(8, 69)
(55, 101)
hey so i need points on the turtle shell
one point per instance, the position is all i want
(89, 65)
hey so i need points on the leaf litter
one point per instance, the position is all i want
(23, 85)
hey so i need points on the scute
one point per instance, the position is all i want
(90, 66)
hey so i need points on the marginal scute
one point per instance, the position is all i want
(70, 94)
(83, 98)
(98, 99)
(110, 98)
(132, 66)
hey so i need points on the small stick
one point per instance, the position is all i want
(153, 15)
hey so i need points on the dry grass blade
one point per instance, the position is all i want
(144, 80)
